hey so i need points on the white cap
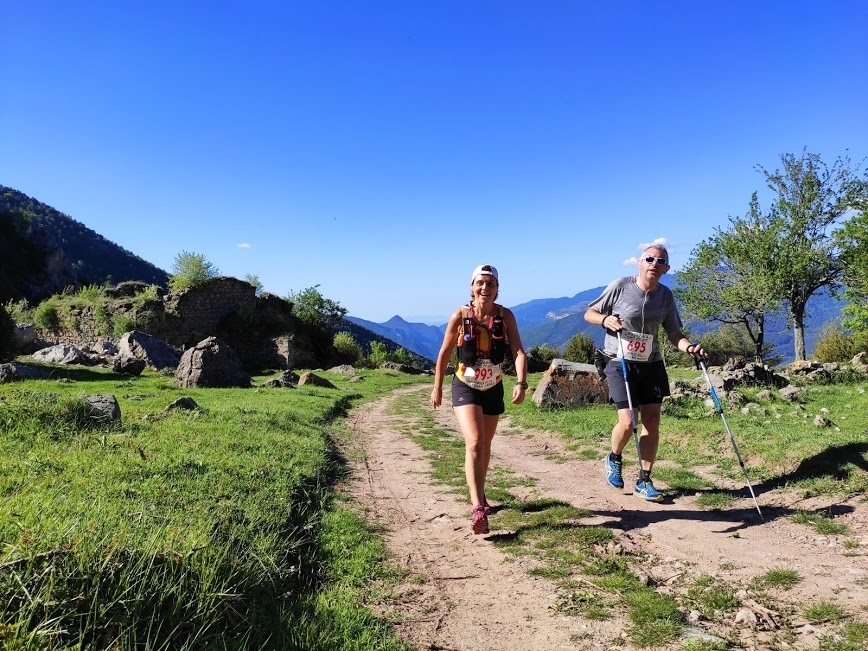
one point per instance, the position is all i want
(484, 269)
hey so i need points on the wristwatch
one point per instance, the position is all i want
(523, 385)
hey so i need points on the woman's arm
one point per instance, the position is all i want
(518, 354)
(450, 339)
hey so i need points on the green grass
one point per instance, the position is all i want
(782, 449)
(208, 529)
(821, 611)
(853, 637)
(711, 597)
(778, 578)
(823, 524)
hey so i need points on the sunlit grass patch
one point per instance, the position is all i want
(853, 637)
(654, 618)
(710, 596)
(681, 479)
(777, 577)
(585, 603)
(715, 500)
(695, 644)
(821, 611)
(823, 524)
(179, 529)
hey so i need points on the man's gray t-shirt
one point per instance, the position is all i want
(640, 311)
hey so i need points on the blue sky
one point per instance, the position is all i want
(382, 150)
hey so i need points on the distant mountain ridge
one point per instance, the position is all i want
(43, 251)
(419, 338)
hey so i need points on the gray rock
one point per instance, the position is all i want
(104, 409)
(157, 354)
(211, 363)
(61, 354)
(126, 365)
(315, 380)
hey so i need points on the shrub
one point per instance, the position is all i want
(833, 345)
(253, 279)
(19, 311)
(91, 293)
(543, 353)
(379, 354)
(346, 347)
(580, 348)
(190, 270)
(733, 341)
(123, 323)
(46, 315)
(150, 293)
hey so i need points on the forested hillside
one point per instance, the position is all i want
(43, 251)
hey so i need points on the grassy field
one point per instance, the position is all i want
(210, 528)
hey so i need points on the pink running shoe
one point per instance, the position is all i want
(479, 523)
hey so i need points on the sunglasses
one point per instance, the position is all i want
(650, 258)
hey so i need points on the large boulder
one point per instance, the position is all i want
(156, 353)
(314, 380)
(211, 363)
(13, 372)
(104, 409)
(570, 384)
(126, 365)
(62, 354)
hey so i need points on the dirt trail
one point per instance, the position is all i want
(462, 594)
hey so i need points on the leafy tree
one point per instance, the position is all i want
(253, 279)
(402, 356)
(311, 307)
(580, 348)
(853, 240)
(780, 258)
(346, 347)
(730, 278)
(812, 199)
(190, 270)
(379, 354)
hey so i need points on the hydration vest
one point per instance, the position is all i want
(476, 340)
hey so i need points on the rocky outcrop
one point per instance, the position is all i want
(260, 329)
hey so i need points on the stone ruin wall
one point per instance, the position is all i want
(187, 317)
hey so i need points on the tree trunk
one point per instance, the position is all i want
(798, 318)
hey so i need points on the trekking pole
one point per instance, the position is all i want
(719, 408)
(629, 397)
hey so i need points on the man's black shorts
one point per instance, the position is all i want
(649, 383)
(491, 400)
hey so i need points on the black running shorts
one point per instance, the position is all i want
(491, 400)
(649, 383)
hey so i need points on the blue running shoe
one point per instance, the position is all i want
(646, 490)
(613, 472)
